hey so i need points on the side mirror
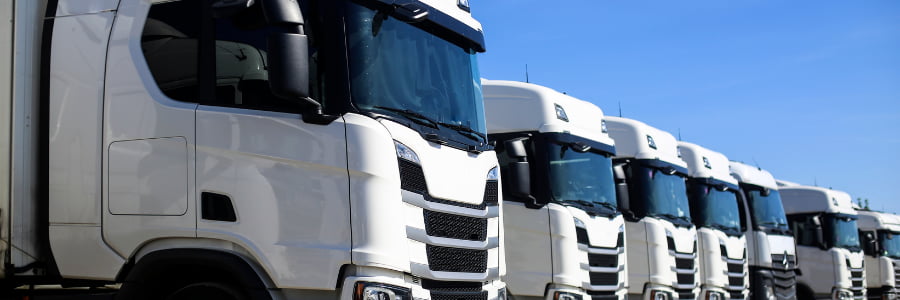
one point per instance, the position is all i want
(229, 8)
(282, 12)
(518, 177)
(818, 233)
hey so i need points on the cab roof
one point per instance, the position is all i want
(873, 220)
(812, 199)
(635, 139)
(752, 175)
(512, 106)
(705, 163)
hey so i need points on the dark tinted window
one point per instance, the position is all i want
(804, 230)
(171, 43)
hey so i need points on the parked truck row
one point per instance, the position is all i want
(349, 149)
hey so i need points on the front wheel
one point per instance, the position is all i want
(207, 290)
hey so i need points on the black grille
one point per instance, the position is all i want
(596, 295)
(604, 278)
(670, 242)
(411, 177)
(491, 192)
(603, 260)
(896, 271)
(735, 280)
(582, 236)
(856, 274)
(455, 226)
(454, 290)
(857, 283)
(736, 295)
(684, 263)
(447, 259)
(735, 268)
(784, 282)
(685, 278)
(685, 293)
(621, 241)
(858, 293)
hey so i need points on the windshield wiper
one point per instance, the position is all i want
(582, 202)
(724, 228)
(607, 205)
(465, 131)
(672, 217)
(416, 117)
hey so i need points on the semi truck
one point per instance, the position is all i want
(563, 234)
(712, 194)
(879, 235)
(247, 149)
(770, 245)
(650, 188)
(829, 256)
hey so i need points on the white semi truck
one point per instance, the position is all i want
(712, 193)
(267, 149)
(828, 250)
(563, 235)
(650, 185)
(879, 234)
(770, 245)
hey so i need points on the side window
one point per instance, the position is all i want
(804, 230)
(869, 244)
(241, 62)
(171, 42)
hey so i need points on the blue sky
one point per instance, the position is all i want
(809, 90)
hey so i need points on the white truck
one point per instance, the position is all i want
(712, 194)
(879, 234)
(828, 250)
(563, 235)
(770, 244)
(262, 149)
(650, 186)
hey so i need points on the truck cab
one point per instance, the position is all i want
(650, 185)
(267, 149)
(564, 236)
(829, 253)
(712, 194)
(770, 244)
(879, 234)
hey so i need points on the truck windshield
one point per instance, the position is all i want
(890, 243)
(768, 212)
(397, 68)
(583, 179)
(842, 232)
(660, 195)
(714, 208)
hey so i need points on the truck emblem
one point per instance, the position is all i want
(784, 260)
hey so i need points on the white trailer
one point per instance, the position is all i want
(712, 193)
(650, 185)
(563, 235)
(828, 250)
(880, 237)
(770, 245)
(267, 149)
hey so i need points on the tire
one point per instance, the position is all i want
(207, 290)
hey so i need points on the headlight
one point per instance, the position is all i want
(710, 295)
(406, 153)
(579, 223)
(660, 295)
(379, 291)
(493, 174)
(889, 296)
(842, 295)
(566, 296)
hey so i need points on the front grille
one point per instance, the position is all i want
(454, 290)
(684, 263)
(604, 278)
(896, 271)
(597, 295)
(455, 226)
(778, 262)
(685, 278)
(784, 282)
(736, 295)
(411, 177)
(736, 281)
(490, 198)
(685, 293)
(582, 236)
(448, 259)
(735, 268)
(491, 193)
(603, 260)
(856, 274)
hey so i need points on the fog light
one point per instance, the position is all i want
(660, 295)
(710, 295)
(566, 296)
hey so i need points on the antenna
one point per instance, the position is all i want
(755, 163)
(815, 182)
(620, 109)
(679, 135)
(526, 74)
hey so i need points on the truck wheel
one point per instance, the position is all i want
(207, 290)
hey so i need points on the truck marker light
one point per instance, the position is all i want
(493, 174)
(406, 153)
(650, 142)
(464, 5)
(603, 128)
(706, 163)
(561, 113)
